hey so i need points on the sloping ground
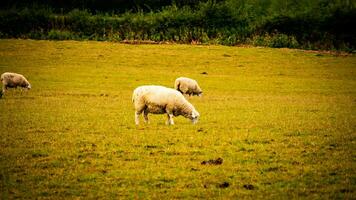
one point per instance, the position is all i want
(275, 123)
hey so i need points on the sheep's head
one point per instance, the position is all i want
(198, 91)
(194, 116)
(25, 84)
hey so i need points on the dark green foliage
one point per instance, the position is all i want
(334, 30)
(275, 40)
(16, 23)
(118, 6)
(60, 35)
(319, 24)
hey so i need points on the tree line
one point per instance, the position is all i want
(317, 24)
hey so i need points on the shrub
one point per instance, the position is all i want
(80, 21)
(60, 35)
(316, 25)
(277, 40)
(283, 40)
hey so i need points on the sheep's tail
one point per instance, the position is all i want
(1, 92)
(177, 85)
(134, 95)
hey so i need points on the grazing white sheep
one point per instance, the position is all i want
(187, 86)
(159, 100)
(13, 80)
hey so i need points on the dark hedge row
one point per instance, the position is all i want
(117, 6)
(318, 25)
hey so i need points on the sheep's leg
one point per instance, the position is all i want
(137, 117)
(170, 119)
(167, 122)
(145, 115)
(3, 89)
(139, 109)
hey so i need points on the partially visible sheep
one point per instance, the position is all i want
(159, 100)
(187, 86)
(13, 80)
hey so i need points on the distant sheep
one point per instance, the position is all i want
(13, 80)
(187, 86)
(159, 100)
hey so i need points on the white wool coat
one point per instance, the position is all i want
(14, 80)
(160, 100)
(187, 86)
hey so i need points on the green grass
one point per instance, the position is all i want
(282, 120)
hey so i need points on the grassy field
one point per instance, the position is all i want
(283, 121)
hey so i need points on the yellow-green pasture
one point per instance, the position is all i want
(282, 120)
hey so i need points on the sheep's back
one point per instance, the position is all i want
(187, 81)
(157, 94)
(13, 78)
